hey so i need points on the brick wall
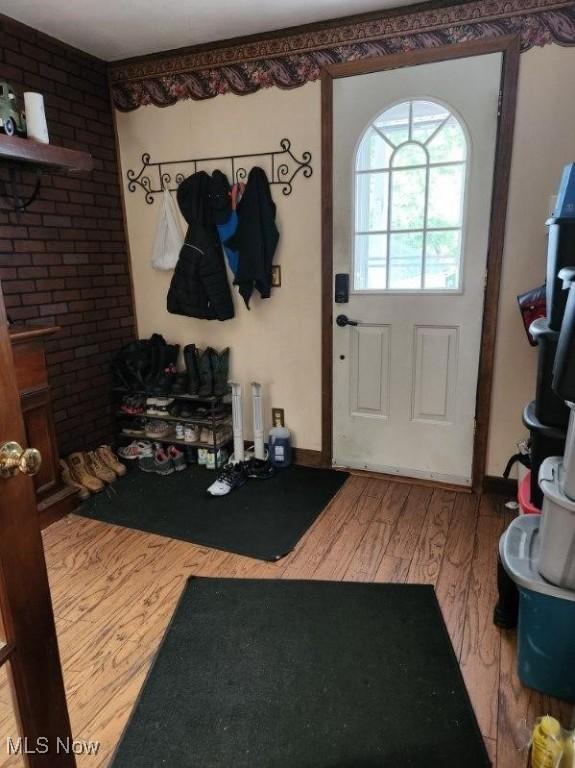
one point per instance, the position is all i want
(65, 260)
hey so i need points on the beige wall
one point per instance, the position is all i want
(544, 143)
(278, 342)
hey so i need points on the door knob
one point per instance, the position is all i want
(343, 320)
(14, 459)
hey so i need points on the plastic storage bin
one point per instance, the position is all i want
(524, 496)
(557, 554)
(546, 629)
(545, 441)
(549, 408)
(564, 368)
(560, 253)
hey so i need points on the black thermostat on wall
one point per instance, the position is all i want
(342, 288)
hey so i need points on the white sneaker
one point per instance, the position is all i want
(192, 433)
(231, 477)
(136, 450)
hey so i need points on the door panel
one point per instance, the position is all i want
(405, 378)
(369, 365)
(434, 373)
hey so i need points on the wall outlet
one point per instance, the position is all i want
(276, 276)
(278, 418)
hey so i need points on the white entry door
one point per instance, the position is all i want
(414, 152)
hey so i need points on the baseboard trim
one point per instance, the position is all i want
(307, 458)
(501, 486)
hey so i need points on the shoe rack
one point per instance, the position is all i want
(218, 416)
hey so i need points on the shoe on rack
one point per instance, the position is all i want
(231, 477)
(192, 368)
(164, 463)
(192, 433)
(177, 457)
(166, 367)
(180, 384)
(187, 411)
(159, 463)
(259, 469)
(157, 429)
(110, 459)
(80, 473)
(220, 369)
(134, 427)
(223, 432)
(82, 491)
(158, 406)
(206, 373)
(136, 450)
(132, 405)
(96, 467)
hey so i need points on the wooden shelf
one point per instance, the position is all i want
(47, 157)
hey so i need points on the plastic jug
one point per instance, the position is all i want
(280, 446)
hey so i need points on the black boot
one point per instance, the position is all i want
(155, 344)
(169, 358)
(206, 373)
(180, 384)
(220, 367)
(191, 363)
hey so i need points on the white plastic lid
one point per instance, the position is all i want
(551, 474)
(519, 552)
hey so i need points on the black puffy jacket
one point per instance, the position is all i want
(199, 286)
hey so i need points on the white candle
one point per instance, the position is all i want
(36, 117)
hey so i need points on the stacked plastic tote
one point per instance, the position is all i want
(538, 552)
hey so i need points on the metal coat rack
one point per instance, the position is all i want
(282, 167)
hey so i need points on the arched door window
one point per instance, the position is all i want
(410, 172)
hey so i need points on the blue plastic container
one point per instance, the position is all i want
(565, 205)
(279, 445)
(546, 629)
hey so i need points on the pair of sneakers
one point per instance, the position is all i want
(163, 461)
(158, 406)
(234, 476)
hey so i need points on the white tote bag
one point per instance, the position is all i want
(169, 236)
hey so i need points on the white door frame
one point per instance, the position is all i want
(509, 46)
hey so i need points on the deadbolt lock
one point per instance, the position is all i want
(14, 459)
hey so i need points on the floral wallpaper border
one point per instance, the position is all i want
(293, 60)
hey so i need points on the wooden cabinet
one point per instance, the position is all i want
(54, 498)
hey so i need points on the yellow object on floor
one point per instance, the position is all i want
(551, 746)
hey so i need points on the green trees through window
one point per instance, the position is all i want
(410, 174)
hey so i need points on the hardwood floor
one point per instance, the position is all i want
(114, 591)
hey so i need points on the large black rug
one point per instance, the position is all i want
(264, 519)
(303, 674)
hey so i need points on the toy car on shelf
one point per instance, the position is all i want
(12, 119)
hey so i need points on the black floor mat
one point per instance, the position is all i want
(264, 519)
(303, 674)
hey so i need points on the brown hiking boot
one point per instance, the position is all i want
(80, 473)
(109, 458)
(83, 493)
(96, 467)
